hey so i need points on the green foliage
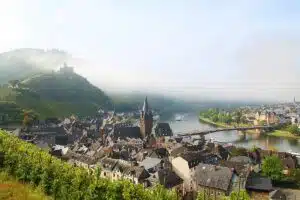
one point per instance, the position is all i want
(203, 196)
(293, 129)
(241, 195)
(61, 180)
(262, 122)
(216, 115)
(272, 167)
(295, 176)
(239, 151)
(12, 189)
(253, 148)
(57, 95)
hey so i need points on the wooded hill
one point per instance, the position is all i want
(55, 94)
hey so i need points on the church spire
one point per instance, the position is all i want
(146, 106)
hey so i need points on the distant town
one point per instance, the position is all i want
(147, 152)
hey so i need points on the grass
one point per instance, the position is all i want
(218, 124)
(224, 125)
(283, 133)
(10, 189)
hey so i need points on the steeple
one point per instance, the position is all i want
(145, 106)
(146, 120)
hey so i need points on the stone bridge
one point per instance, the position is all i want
(202, 133)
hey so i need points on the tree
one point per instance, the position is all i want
(262, 123)
(241, 195)
(253, 148)
(272, 167)
(215, 118)
(295, 175)
(293, 129)
(238, 117)
(27, 120)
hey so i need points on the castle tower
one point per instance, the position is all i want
(146, 120)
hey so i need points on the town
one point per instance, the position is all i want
(147, 152)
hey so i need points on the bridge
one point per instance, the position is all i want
(202, 133)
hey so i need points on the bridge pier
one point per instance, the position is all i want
(243, 133)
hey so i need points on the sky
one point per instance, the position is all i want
(216, 49)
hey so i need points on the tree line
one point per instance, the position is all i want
(217, 115)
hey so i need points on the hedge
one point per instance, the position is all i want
(28, 163)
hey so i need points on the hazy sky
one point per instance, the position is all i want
(232, 49)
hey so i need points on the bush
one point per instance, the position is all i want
(293, 129)
(272, 167)
(30, 164)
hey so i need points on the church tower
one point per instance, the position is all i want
(146, 120)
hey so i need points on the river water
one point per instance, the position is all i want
(191, 122)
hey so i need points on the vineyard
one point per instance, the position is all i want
(60, 180)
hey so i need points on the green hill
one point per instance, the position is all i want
(54, 94)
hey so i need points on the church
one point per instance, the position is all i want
(124, 130)
(146, 120)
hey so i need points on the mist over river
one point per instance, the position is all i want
(191, 122)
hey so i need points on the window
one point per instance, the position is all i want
(104, 173)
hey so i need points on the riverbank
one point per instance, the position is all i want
(224, 125)
(218, 124)
(276, 133)
(283, 133)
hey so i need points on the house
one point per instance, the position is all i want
(170, 179)
(220, 151)
(151, 164)
(163, 129)
(59, 150)
(159, 153)
(177, 151)
(241, 173)
(277, 195)
(185, 164)
(268, 117)
(124, 130)
(136, 174)
(107, 166)
(241, 159)
(257, 183)
(213, 180)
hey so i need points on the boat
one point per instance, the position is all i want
(156, 117)
(294, 153)
(179, 117)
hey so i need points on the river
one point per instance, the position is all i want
(191, 122)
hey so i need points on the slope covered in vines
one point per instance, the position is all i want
(27, 163)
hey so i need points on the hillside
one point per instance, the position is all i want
(21, 63)
(55, 94)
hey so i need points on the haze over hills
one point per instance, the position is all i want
(20, 63)
(35, 68)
